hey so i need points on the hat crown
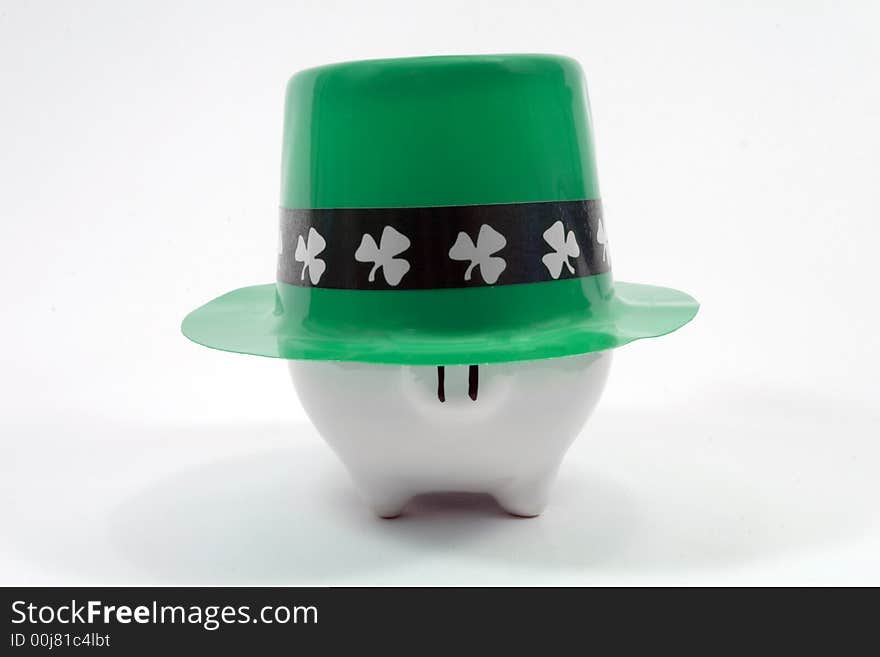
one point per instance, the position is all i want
(435, 131)
(439, 211)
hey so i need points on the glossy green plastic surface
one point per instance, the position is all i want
(434, 131)
(426, 131)
(439, 327)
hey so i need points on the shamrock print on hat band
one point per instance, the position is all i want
(564, 248)
(602, 238)
(423, 248)
(489, 241)
(307, 253)
(391, 243)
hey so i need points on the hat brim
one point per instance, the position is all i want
(248, 321)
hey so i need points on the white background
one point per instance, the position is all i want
(739, 155)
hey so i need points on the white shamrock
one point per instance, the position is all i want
(391, 243)
(564, 247)
(489, 241)
(307, 252)
(602, 238)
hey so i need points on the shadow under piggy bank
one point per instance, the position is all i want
(263, 519)
(678, 492)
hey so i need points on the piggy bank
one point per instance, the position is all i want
(444, 297)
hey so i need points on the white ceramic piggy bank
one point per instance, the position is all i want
(410, 430)
(443, 287)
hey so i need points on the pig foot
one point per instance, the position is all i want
(384, 500)
(526, 498)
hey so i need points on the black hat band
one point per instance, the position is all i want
(442, 247)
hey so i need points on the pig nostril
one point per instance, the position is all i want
(473, 381)
(441, 377)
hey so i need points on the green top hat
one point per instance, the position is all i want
(439, 211)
